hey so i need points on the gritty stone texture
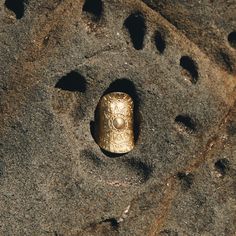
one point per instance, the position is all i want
(180, 177)
(209, 24)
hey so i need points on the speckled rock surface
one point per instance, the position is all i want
(57, 58)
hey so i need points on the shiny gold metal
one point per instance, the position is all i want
(115, 128)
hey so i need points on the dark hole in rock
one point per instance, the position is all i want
(225, 58)
(160, 42)
(17, 6)
(126, 86)
(190, 66)
(105, 227)
(232, 39)
(136, 26)
(73, 81)
(113, 222)
(186, 122)
(94, 8)
(57, 234)
(88, 155)
(222, 166)
(186, 180)
(231, 128)
(112, 155)
(142, 169)
(93, 126)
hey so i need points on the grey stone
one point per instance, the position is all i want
(54, 178)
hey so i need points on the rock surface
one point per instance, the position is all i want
(177, 61)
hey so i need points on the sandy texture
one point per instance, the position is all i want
(57, 58)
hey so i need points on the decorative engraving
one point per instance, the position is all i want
(116, 123)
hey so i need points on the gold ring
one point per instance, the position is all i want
(115, 128)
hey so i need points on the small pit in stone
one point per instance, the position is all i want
(113, 223)
(136, 26)
(142, 169)
(73, 82)
(222, 166)
(226, 61)
(91, 158)
(186, 180)
(189, 66)
(231, 128)
(232, 39)
(17, 6)
(106, 227)
(160, 42)
(93, 8)
(186, 122)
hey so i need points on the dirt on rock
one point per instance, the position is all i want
(175, 59)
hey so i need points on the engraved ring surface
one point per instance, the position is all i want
(115, 128)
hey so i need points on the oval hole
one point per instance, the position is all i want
(232, 39)
(160, 42)
(222, 166)
(94, 8)
(186, 122)
(17, 6)
(142, 169)
(190, 68)
(186, 179)
(226, 61)
(126, 86)
(73, 81)
(136, 26)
